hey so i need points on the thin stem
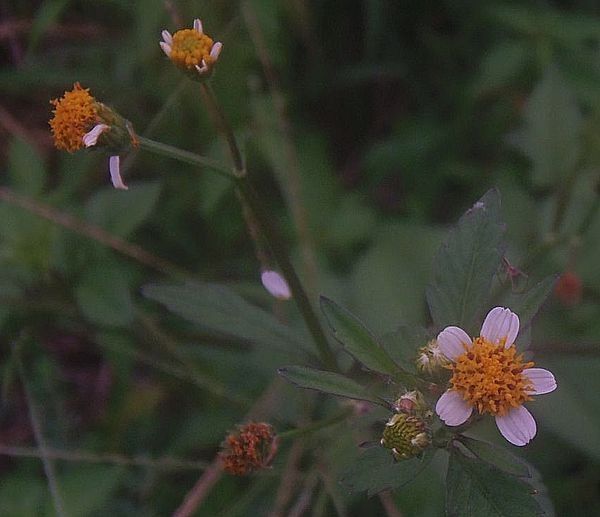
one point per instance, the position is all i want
(316, 426)
(272, 235)
(224, 127)
(185, 156)
(36, 425)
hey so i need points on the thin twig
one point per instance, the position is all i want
(36, 425)
(389, 505)
(289, 480)
(93, 232)
(164, 463)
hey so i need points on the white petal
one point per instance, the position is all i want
(500, 323)
(166, 48)
(167, 38)
(216, 50)
(202, 69)
(452, 409)
(115, 173)
(542, 380)
(452, 342)
(91, 137)
(276, 285)
(198, 26)
(517, 426)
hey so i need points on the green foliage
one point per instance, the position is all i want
(476, 488)
(466, 264)
(327, 382)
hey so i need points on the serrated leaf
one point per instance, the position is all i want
(376, 470)
(220, 309)
(356, 338)
(120, 212)
(26, 168)
(327, 382)
(475, 488)
(497, 456)
(465, 265)
(550, 136)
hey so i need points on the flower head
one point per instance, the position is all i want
(192, 50)
(406, 435)
(250, 448)
(79, 121)
(490, 376)
(430, 359)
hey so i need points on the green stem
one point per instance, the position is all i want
(221, 122)
(316, 426)
(185, 156)
(269, 230)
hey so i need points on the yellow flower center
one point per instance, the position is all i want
(190, 48)
(490, 377)
(75, 113)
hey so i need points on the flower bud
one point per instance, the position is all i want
(406, 436)
(413, 403)
(430, 359)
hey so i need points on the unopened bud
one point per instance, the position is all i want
(406, 436)
(430, 359)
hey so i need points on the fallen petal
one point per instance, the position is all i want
(276, 285)
(115, 172)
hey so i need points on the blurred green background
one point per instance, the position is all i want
(370, 126)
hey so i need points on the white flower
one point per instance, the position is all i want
(276, 285)
(90, 139)
(490, 377)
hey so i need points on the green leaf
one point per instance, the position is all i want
(501, 65)
(403, 344)
(376, 470)
(120, 212)
(327, 382)
(46, 16)
(220, 309)
(527, 304)
(103, 295)
(356, 338)
(550, 136)
(497, 457)
(477, 489)
(26, 168)
(465, 265)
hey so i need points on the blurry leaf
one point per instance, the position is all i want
(46, 15)
(376, 470)
(527, 304)
(388, 278)
(550, 136)
(327, 382)
(477, 489)
(26, 168)
(496, 456)
(356, 338)
(220, 309)
(501, 66)
(120, 212)
(352, 223)
(403, 344)
(21, 495)
(87, 489)
(465, 265)
(103, 295)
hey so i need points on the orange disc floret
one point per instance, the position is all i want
(490, 377)
(75, 113)
(250, 448)
(189, 48)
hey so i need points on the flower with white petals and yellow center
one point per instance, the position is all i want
(191, 49)
(490, 376)
(79, 121)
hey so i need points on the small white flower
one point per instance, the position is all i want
(490, 377)
(276, 285)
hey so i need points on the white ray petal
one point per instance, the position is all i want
(215, 51)
(452, 342)
(517, 426)
(198, 26)
(91, 137)
(542, 380)
(167, 38)
(500, 323)
(276, 285)
(114, 165)
(452, 409)
(165, 47)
